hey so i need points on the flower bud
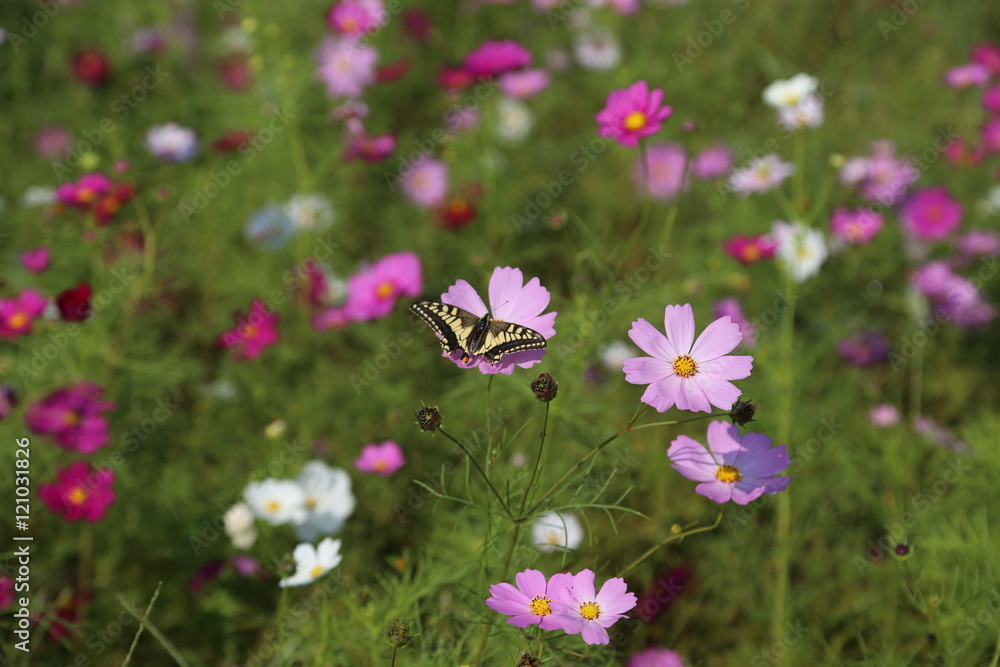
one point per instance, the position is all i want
(398, 634)
(528, 660)
(428, 418)
(545, 387)
(743, 412)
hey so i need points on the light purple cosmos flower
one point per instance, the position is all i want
(511, 300)
(524, 84)
(716, 161)
(760, 175)
(731, 308)
(664, 171)
(530, 603)
(426, 184)
(356, 18)
(383, 459)
(883, 415)
(72, 416)
(580, 609)
(345, 67)
(655, 657)
(965, 76)
(734, 468)
(172, 142)
(691, 374)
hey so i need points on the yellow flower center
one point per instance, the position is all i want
(590, 610)
(728, 474)
(247, 331)
(540, 605)
(77, 495)
(18, 320)
(685, 366)
(381, 465)
(272, 506)
(384, 290)
(934, 213)
(855, 230)
(635, 121)
(72, 418)
(751, 253)
(85, 194)
(316, 571)
(349, 25)
(311, 502)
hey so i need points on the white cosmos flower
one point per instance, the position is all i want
(277, 501)
(807, 113)
(514, 121)
(309, 212)
(597, 50)
(790, 92)
(801, 250)
(556, 531)
(328, 499)
(238, 521)
(615, 354)
(311, 562)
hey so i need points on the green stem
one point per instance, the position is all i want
(393, 663)
(538, 460)
(646, 201)
(800, 169)
(491, 614)
(916, 382)
(142, 623)
(668, 224)
(480, 469)
(631, 566)
(783, 520)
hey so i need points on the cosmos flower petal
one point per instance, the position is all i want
(716, 490)
(744, 493)
(531, 582)
(651, 341)
(678, 322)
(727, 368)
(721, 393)
(767, 464)
(724, 441)
(690, 458)
(464, 296)
(593, 633)
(693, 395)
(646, 370)
(719, 338)
(583, 585)
(522, 620)
(663, 394)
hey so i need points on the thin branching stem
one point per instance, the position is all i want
(480, 469)
(538, 459)
(631, 566)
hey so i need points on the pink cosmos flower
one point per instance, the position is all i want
(731, 308)
(511, 300)
(356, 18)
(733, 467)
(655, 657)
(632, 113)
(968, 75)
(427, 183)
(988, 55)
(85, 192)
(961, 154)
(857, 227)
(954, 297)
(761, 175)
(750, 249)
(368, 148)
(79, 492)
(383, 459)
(882, 177)
(525, 83)
(493, 58)
(72, 416)
(624, 7)
(345, 67)
(580, 609)
(53, 142)
(865, 349)
(979, 242)
(691, 374)
(991, 135)
(883, 415)
(36, 260)
(18, 314)
(531, 601)
(373, 291)
(664, 170)
(713, 162)
(939, 435)
(931, 214)
(253, 333)
(991, 99)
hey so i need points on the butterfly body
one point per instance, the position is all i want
(474, 336)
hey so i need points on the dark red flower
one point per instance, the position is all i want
(91, 67)
(457, 212)
(74, 303)
(417, 25)
(232, 140)
(235, 73)
(454, 79)
(394, 71)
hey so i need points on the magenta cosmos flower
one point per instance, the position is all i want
(497, 57)
(79, 492)
(632, 113)
(511, 300)
(531, 601)
(373, 291)
(931, 214)
(72, 416)
(17, 314)
(691, 374)
(356, 18)
(582, 610)
(856, 226)
(253, 333)
(747, 249)
(734, 468)
(383, 459)
(655, 657)
(36, 260)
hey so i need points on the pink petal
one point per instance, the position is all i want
(573, 625)
(767, 464)
(593, 633)
(530, 582)
(715, 490)
(646, 370)
(678, 322)
(726, 368)
(691, 459)
(721, 393)
(663, 395)
(583, 586)
(693, 395)
(464, 296)
(543, 324)
(743, 494)
(724, 441)
(651, 341)
(719, 338)
(523, 620)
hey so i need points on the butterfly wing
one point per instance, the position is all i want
(453, 324)
(506, 337)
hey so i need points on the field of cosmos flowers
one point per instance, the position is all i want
(653, 333)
